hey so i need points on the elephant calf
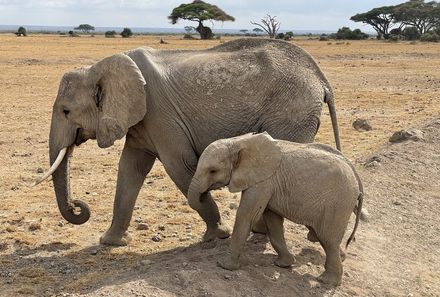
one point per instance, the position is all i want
(309, 184)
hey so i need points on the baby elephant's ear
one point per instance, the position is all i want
(256, 157)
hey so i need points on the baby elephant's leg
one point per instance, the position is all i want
(275, 230)
(333, 264)
(252, 204)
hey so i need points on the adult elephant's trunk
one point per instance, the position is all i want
(76, 211)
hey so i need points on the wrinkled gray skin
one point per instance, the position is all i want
(171, 105)
(309, 184)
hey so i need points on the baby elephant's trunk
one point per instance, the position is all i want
(358, 216)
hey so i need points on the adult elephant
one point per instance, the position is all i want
(171, 105)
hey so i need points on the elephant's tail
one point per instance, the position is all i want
(329, 99)
(358, 216)
(358, 208)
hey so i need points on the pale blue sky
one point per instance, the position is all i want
(293, 14)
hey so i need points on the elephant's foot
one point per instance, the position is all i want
(113, 238)
(330, 278)
(284, 261)
(229, 263)
(221, 231)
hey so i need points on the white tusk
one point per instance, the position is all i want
(52, 168)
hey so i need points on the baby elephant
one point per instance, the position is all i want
(309, 184)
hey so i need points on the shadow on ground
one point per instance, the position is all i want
(51, 269)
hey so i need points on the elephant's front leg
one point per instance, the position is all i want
(134, 166)
(181, 171)
(252, 205)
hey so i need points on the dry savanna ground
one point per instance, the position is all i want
(393, 85)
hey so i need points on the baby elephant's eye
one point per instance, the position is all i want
(212, 171)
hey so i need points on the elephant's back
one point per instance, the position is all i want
(312, 181)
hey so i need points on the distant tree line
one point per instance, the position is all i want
(411, 20)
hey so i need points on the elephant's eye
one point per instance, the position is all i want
(213, 171)
(66, 112)
(98, 96)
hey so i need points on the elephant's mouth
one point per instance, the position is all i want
(79, 138)
(216, 186)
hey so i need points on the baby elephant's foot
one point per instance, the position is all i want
(285, 261)
(221, 231)
(117, 239)
(229, 263)
(330, 278)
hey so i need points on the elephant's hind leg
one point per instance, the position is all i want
(330, 240)
(333, 265)
(275, 230)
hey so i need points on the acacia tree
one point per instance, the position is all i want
(199, 11)
(420, 14)
(269, 24)
(85, 28)
(380, 18)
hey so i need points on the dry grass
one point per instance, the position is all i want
(394, 85)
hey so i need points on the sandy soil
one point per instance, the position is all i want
(393, 85)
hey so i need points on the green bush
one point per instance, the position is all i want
(347, 33)
(285, 36)
(394, 38)
(126, 33)
(324, 37)
(430, 37)
(110, 34)
(411, 33)
(21, 31)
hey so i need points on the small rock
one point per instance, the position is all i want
(227, 276)
(40, 170)
(362, 125)
(373, 164)
(146, 262)
(161, 228)
(233, 205)
(156, 238)
(34, 226)
(87, 193)
(346, 274)
(396, 202)
(184, 264)
(365, 215)
(408, 134)
(276, 275)
(3, 246)
(142, 226)
(93, 252)
(60, 224)
(309, 264)
(14, 188)
(11, 229)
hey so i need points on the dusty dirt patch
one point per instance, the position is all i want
(394, 86)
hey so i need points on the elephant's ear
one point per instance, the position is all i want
(121, 97)
(256, 159)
